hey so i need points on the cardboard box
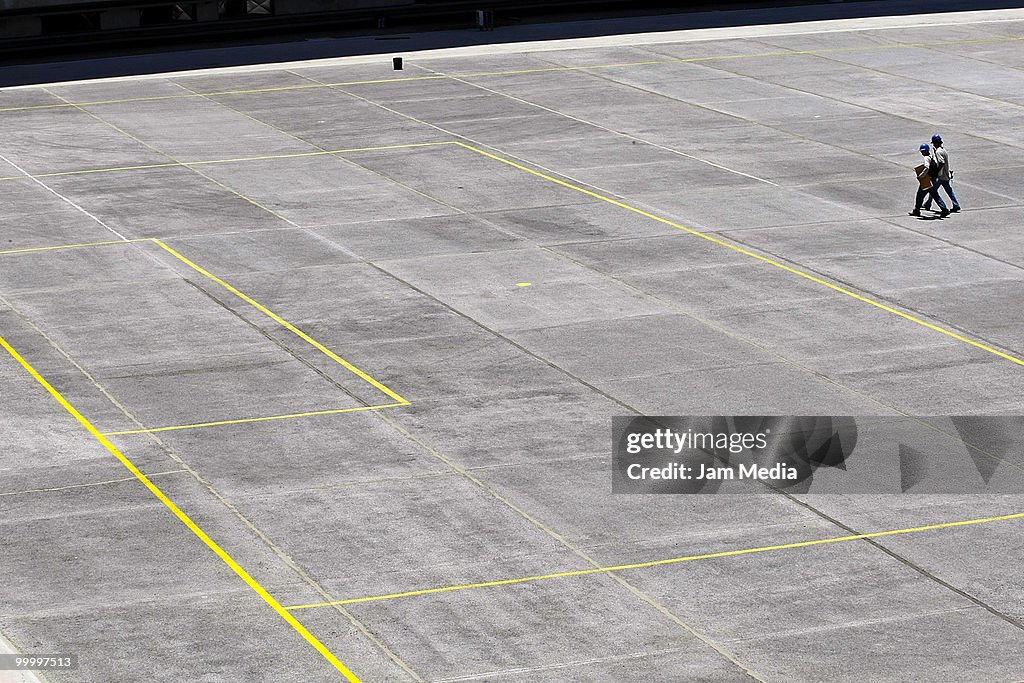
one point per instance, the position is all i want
(925, 180)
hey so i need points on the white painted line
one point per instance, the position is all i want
(6, 648)
(69, 201)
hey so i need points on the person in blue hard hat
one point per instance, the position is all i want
(927, 187)
(945, 176)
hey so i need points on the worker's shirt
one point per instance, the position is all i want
(923, 173)
(943, 160)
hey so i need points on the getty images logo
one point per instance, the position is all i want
(700, 454)
(868, 454)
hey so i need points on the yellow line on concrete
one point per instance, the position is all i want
(72, 105)
(746, 252)
(233, 160)
(287, 325)
(539, 70)
(245, 420)
(55, 174)
(30, 250)
(216, 93)
(185, 519)
(399, 401)
(659, 563)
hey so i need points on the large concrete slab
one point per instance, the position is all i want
(505, 316)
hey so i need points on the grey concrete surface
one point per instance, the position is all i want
(510, 316)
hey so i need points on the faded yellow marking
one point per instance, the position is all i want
(659, 563)
(245, 420)
(231, 160)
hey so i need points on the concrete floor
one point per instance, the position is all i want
(449, 315)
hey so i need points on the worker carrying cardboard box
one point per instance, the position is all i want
(926, 175)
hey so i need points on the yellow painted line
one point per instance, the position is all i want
(216, 93)
(399, 401)
(233, 160)
(71, 105)
(539, 70)
(660, 563)
(245, 420)
(30, 250)
(746, 252)
(318, 153)
(185, 519)
(287, 325)
(55, 174)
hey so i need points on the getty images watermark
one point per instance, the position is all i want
(817, 454)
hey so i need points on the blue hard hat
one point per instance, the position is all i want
(924, 148)
(936, 139)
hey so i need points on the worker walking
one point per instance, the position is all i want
(926, 175)
(945, 176)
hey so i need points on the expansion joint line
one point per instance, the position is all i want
(287, 325)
